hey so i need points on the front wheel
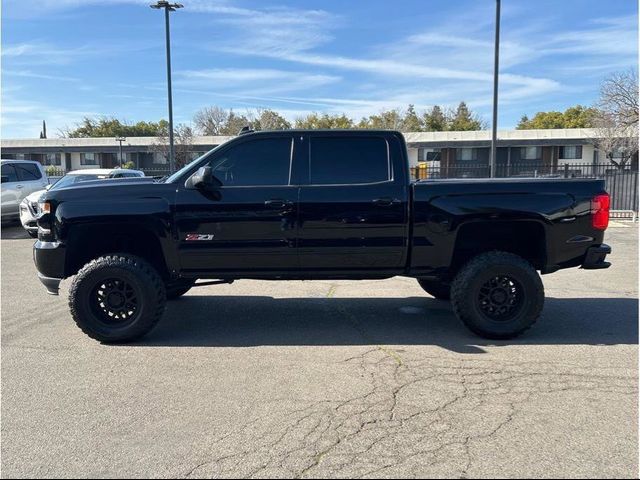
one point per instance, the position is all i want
(117, 298)
(498, 295)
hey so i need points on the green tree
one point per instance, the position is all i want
(411, 122)
(266, 119)
(112, 127)
(434, 120)
(463, 119)
(314, 121)
(234, 124)
(577, 116)
(385, 120)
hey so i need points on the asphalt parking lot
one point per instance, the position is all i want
(324, 379)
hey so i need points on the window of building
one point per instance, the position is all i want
(28, 171)
(349, 160)
(572, 152)
(89, 159)
(466, 154)
(159, 159)
(428, 154)
(52, 159)
(530, 153)
(264, 161)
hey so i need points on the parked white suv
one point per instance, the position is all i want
(19, 179)
(29, 206)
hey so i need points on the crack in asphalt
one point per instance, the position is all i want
(461, 402)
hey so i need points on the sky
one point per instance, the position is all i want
(66, 59)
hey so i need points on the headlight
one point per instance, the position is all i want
(44, 207)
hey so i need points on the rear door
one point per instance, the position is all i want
(249, 223)
(354, 209)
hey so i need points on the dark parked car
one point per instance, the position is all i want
(315, 205)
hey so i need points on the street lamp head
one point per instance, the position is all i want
(165, 4)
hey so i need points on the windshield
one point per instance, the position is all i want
(187, 167)
(68, 180)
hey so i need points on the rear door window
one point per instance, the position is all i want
(349, 160)
(28, 171)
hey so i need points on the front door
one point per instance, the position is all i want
(249, 223)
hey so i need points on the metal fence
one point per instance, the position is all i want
(621, 183)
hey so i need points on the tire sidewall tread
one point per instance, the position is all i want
(465, 283)
(148, 282)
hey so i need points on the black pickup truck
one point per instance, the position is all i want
(315, 205)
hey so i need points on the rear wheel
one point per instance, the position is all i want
(498, 295)
(117, 298)
(439, 290)
(177, 288)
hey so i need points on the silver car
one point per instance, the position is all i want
(29, 206)
(19, 179)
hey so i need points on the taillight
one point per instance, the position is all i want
(600, 211)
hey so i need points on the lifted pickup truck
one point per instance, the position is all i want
(315, 205)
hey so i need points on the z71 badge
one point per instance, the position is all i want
(198, 236)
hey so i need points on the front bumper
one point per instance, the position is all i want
(28, 220)
(51, 284)
(594, 259)
(49, 258)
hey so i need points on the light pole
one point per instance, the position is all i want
(120, 140)
(494, 126)
(168, 7)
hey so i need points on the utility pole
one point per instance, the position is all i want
(494, 126)
(120, 140)
(168, 7)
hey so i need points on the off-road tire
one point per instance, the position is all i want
(177, 288)
(141, 278)
(487, 272)
(439, 290)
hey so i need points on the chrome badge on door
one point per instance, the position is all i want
(198, 236)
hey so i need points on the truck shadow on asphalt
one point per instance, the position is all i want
(248, 321)
(13, 231)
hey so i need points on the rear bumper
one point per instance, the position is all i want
(595, 257)
(49, 258)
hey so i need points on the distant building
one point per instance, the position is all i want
(519, 152)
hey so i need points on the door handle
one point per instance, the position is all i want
(385, 201)
(277, 203)
(19, 186)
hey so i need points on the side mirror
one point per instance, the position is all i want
(203, 179)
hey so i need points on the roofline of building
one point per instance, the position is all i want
(476, 138)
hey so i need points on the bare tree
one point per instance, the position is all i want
(182, 141)
(618, 143)
(211, 120)
(616, 120)
(619, 97)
